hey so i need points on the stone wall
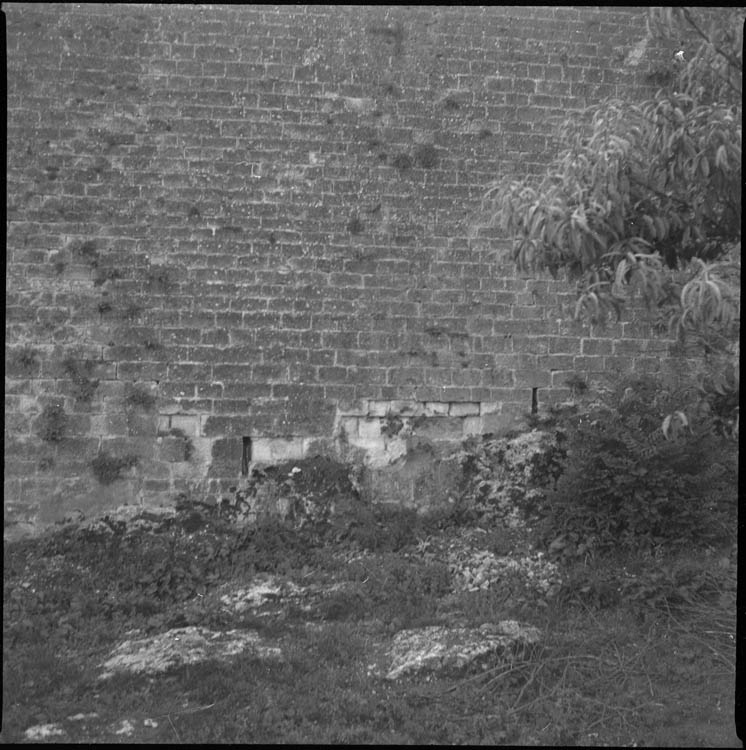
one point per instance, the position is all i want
(233, 230)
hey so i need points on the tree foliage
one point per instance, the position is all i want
(644, 199)
(650, 199)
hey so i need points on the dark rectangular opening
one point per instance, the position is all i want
(534, 400)
(245, 456)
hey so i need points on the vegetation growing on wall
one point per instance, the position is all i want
(648, 201)
(141, 398)
(51, 424)
(25, 358)
(79, 372)
(107, 468)
(624, 486)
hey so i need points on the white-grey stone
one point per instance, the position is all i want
(179, 646)
(445, 650)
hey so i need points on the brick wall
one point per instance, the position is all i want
(239, 228)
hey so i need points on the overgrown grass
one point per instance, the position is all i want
(633, 649)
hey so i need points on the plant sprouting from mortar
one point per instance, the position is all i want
(131, 311)
(141, 398)
(104, 306)
(51, 423)
(106, 274)
(354, 225)
(87, 252)
(402, 162)
(79, 373)
(392, 425)
(151, 345)
(451, 103)
(426, 156)
(25, 358)
(577, 385)
(188, 445)
(107, 468)
(160, 277)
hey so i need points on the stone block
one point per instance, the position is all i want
(436, 407)
(286, 449)
(141, 425)
(349, 426)
(496, 424)
(369, 429)
(374, 448)
(378, 408)
(439, 428)
(261, 450)
(187, 423)
(171, 449)
(464, 409)
(472, 426)
(533, 378)
(276, 450)
(227, 453)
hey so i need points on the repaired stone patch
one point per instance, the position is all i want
(181, 646)
(450, 651)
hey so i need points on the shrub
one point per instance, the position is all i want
(625, 485)
(107, 468)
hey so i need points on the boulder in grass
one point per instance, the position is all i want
(190, 645)
(450, 651)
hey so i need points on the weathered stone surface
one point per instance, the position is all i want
(454, 651)
(180, 646)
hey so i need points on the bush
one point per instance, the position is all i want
(625, 485)
(107, 468)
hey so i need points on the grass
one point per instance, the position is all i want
(656, 669)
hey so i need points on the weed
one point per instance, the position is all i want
(104, 306)
(451, 103)
(51, 423)
(392, 425)
(131, 311)
(142, 399)
(152, 345)
(25, 358)
(46, 463)
(188, 445)
(354, 225)
(87, 252)
(79, 372)
(402, 162)
(107, 468)
(426, 156)
(390, 34)
(161, 277)
(106, 274)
